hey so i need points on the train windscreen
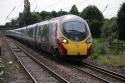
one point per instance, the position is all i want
(75, 31)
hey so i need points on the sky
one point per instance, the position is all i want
(109, 8)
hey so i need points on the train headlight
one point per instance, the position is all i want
(89, 40)
(63, 40)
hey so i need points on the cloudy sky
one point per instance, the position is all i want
(111, 7)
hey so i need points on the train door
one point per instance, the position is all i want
(34, 35)
(38, 35)
(42, 36)
(53, 34)
(45, 37)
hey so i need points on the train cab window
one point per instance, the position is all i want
(75, 31)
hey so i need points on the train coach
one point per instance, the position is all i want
(66, 36)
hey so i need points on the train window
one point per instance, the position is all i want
(39, 32)
(75, 31)
(30, 32)
(45, 32)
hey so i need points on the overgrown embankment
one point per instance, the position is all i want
(102, 54)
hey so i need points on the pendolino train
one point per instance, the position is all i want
(66, 36)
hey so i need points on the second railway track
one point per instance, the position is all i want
(103, 70)
(38, 72)
(100, 73)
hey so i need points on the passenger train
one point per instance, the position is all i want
(66, 36)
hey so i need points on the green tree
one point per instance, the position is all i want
(74, 10)
(92, 13)
(60, 13)
(12, 23)
(95, 19)
(36, 17)
(109, 28)
(27, 17)
(26, 6)
(121, 22)
(7, 24)
(21, 20)
(45, 15)
(54, 14)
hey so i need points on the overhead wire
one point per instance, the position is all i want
(35, 8)
(105, 8)
(33, 2)
(10, 12)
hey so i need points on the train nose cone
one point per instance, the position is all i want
(76, 49)
(77, 46)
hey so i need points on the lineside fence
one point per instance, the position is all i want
(118, 46)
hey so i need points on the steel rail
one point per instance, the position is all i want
(31, 76)
(106, 81)
(57, 76)
(103, 70)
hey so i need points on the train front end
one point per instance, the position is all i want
(75, 40)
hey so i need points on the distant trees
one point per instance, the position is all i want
(121, 22)
(95, 19)
(12, 23)
(26, 18)
(60, 13)
(45, 15)
(91, 13)
(26, 6)
(29, 18)
(48, 15)
(54, 14)
(109, 28)
(74, 10)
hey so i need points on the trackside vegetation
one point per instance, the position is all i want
(102, 54)
(112, 31)
(121, 22)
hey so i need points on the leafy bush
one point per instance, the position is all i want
(100, 47)
(109, 28)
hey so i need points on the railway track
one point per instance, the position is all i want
(103, 70)
(100, 73)
(37, 71)
(104, 80)
(61, 62)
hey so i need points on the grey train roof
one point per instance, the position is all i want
(70, 17)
